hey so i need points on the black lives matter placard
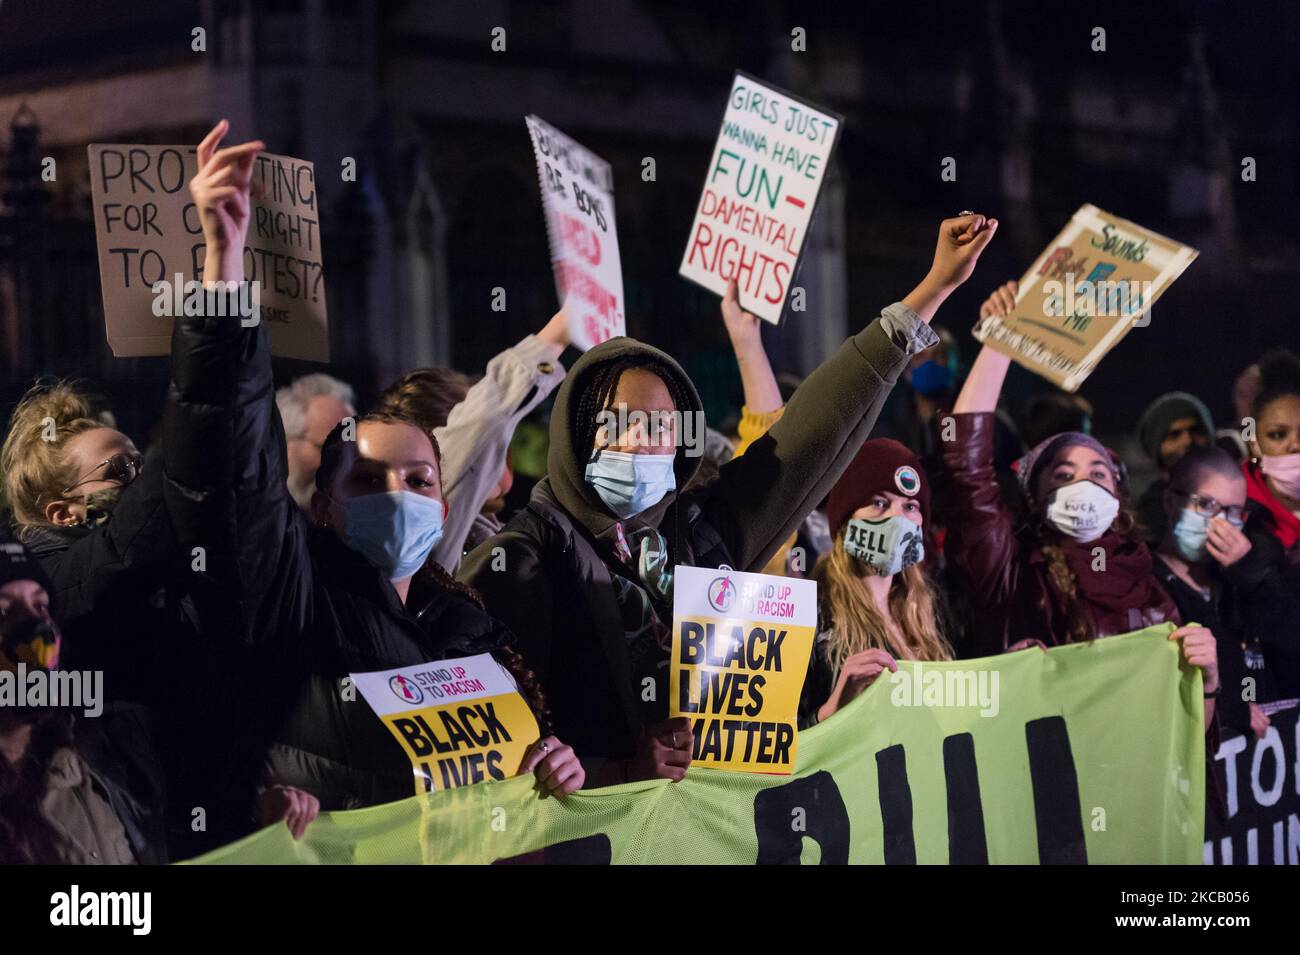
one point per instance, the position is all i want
(148, 232)
(459, 721)
(740, 653)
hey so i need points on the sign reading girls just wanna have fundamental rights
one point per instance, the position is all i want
(1093, 283)
(759, 195)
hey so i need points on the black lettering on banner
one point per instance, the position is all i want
(780, 843)
(1057, 812)
(895, 806)
(589, 850)
(410, 730)
(1258, 780)
(967, 844)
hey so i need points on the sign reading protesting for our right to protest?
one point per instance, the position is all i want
(740, 652)
(152, 253)
(578, 199)
(759, 195)
(459, 721)
(1093, 283)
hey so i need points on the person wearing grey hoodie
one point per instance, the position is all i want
(583, 574)
(1170, 426)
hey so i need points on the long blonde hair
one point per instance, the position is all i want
(857, 625)
(33, 460)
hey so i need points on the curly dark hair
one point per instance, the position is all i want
(1279, 374)
(596, 394)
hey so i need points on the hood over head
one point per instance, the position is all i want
(576, 402)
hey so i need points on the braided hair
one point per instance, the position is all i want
(596, 394)
(433, 573)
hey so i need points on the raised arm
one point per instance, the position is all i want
(981, 542)
(476, 437)
(761, 497)
(223, 444)
(984, 385)
(762, 396)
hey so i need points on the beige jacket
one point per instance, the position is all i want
(77, 805)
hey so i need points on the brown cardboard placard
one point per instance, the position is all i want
(1093, 283)
(147, 231)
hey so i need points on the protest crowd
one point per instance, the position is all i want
(271, 542)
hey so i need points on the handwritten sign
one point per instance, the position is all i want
(578, 198)
(1093, 283)
(459, 721)
(759, 195)
(741, 644)
(151, 246)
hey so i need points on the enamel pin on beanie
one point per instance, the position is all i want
(881, 465)
(907, 480)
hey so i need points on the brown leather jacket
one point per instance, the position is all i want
(1001, 565)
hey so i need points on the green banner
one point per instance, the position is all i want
(1087, 753)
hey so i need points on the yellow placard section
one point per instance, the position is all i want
(739, 681)
(466, 742)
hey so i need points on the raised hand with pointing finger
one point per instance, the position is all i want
(222, 195)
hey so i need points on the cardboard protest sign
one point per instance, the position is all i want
(741, 644)
(1096, 280)
(459, 721)
(151, 249)
(578, 199)
(760, 194)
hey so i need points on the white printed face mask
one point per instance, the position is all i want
(887, 546)
(1082, 510)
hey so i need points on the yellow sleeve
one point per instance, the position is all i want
(753, 426)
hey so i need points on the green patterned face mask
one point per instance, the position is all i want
(100, 505)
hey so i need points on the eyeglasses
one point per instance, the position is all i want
(1209, 507)
(122, 468)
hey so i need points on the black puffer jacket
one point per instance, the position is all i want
(307, 609)
(116, 590)
(553, 575)
(332, 744)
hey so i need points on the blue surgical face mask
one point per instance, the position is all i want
(931, 378)
(631, 483)
(395, 530)
(886, 546)
(1190, 531)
